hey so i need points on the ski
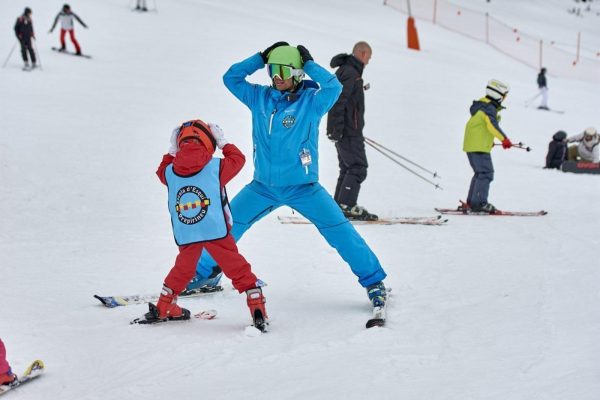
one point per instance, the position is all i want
(378, 318)
(117, 301)
(497, 213)
(58, 50)
(435, 220)
(34, 370)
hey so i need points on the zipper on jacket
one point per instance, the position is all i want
(271, 120)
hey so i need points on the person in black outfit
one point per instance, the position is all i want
(543, 86)
(345, 123)
(24, 32)
(557, 150)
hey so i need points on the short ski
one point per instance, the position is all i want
(116, 301)
(435, 220)
(497, 213)
(378, 318)
(58, 50)
(34, 370)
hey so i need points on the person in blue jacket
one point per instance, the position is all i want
(285, 128)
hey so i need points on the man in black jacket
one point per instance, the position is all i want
(345, 123)
(24, 32)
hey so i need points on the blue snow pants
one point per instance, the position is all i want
(483, 175)
(257, 200)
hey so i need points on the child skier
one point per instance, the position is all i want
(200, 217)
(6, 375)
(480, 132)
(66, 17)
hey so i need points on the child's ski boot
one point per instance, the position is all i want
(166, 309)
(256, 304)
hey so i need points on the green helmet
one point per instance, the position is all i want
(285, 55)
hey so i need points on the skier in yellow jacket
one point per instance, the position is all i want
(480, 132)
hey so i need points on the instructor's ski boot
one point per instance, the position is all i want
(377, 294)
(357, 213)
(166, 309)
(200, 284)
(7, 378)
(256, 303)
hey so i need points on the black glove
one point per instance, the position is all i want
(304, 54)
(335, 135)
(265, 53)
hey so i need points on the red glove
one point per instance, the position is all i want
(506, 143)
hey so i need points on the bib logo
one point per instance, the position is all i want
(289, 121)
(191, 205)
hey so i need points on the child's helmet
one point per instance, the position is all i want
(591, 131)
(200, 130)
(496, 90)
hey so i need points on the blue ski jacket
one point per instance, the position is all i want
(285, 126)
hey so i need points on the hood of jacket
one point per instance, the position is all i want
(560, 136)
(484, 104)
(190, 159)
(348, 60)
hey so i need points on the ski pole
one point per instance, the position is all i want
(528, 102)
(374, 143)
(404, 166)
(38, 54)
(519, 145)
(9, 54)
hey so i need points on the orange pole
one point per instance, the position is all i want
(412, 35)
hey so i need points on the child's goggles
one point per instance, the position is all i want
(283, 71)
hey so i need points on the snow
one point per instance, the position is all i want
(483, 308)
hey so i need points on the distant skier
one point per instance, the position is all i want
(543, 86)
(480, 131)
(285, 128)
(25, 34)
(6, 375)
(557, 150)
(200, 215)
(345, 123)
(588, 148)
(66, 18)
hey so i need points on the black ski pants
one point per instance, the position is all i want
(26, 47)
(353, 165)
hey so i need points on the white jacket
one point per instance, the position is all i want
(589, 150)
(66, 21)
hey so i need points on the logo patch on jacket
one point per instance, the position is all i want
(289, 121)
(191, 205)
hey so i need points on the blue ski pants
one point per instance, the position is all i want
(483, 175)
(257, 200)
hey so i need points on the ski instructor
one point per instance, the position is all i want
(285, 129)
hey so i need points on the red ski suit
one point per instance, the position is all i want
(190, 159)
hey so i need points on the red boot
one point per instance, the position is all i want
(167, 306)
(256, 304)
(7, 378)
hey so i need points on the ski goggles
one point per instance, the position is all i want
(283, 71)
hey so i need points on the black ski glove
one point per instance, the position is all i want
(304, 54)
(265, 53)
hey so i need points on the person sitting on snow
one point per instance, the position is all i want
(588, 148)
(557, 150)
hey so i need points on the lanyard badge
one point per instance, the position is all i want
(305, 159)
